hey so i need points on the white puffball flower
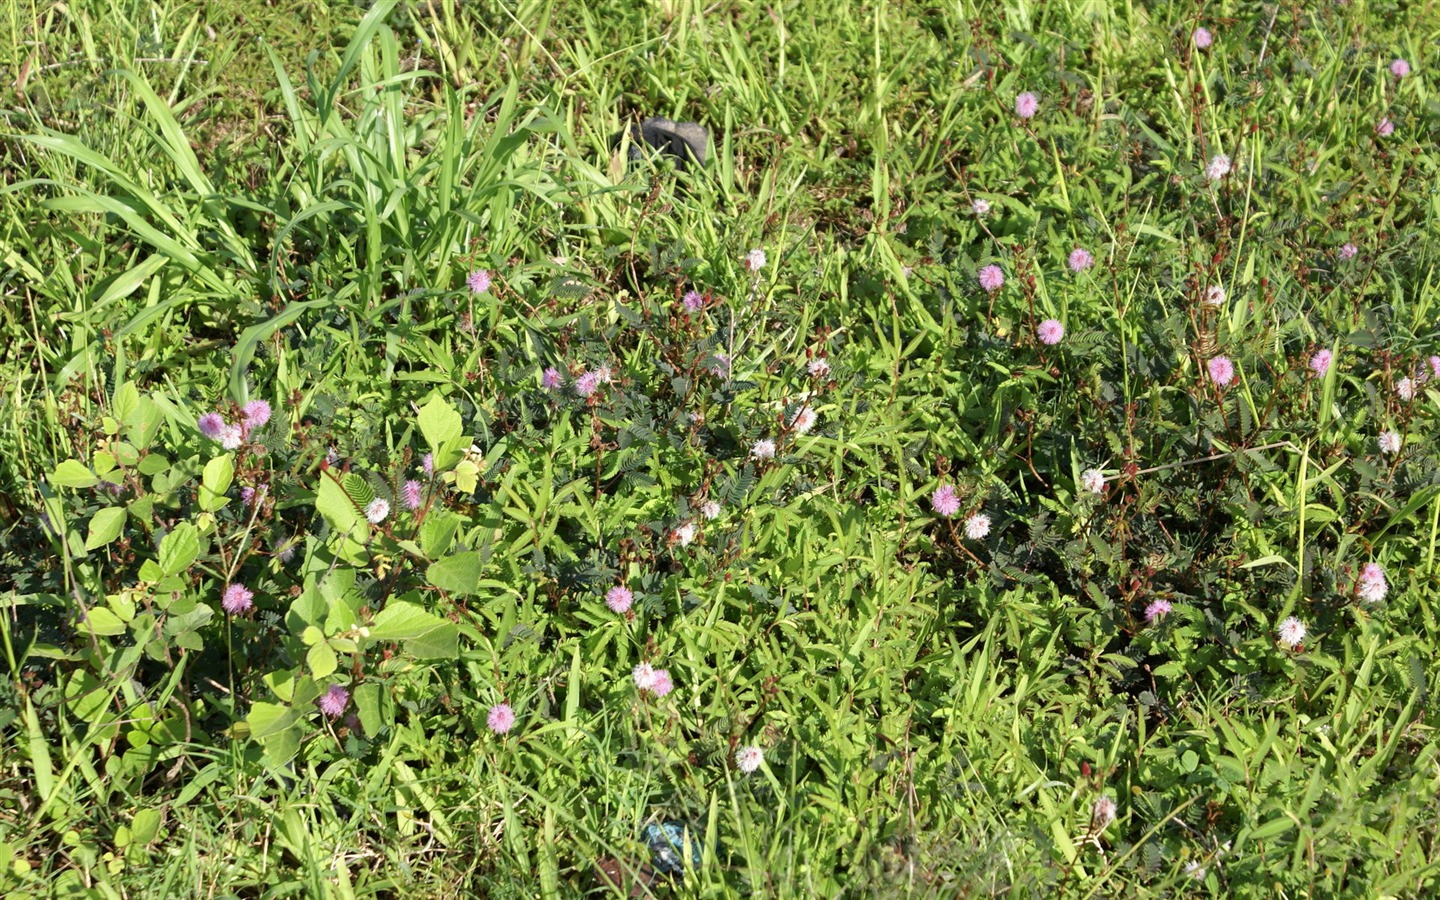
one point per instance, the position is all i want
(749, 758)
(1291, 632)
(378, 509)
(977, 526)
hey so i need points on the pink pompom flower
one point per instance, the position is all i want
(211, 425)
(1399, 68)
(1158, 609)
(1080, 259)
(501, 718)
(945, 501)
(255, 414)
(1050, 332)
(411, 494)
(237, 599)
(991, 278)
(619, 598)
(1026, 105)
(1320, 362)
(334, 701)
(1222, 370)
(1348, 251)
(1384, 127)
(1202, 38)
(479, 281)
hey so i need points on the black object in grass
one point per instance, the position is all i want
(687, 142)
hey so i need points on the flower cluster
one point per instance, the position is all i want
(655, 681)
(232, 434)
(1371, 586)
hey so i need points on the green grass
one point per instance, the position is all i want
(205, 207)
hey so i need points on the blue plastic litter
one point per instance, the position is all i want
(667, 847)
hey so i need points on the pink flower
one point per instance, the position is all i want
(1405, 389)
(1399, 68)
(755, 260)
(762, 449)
(255, 414)
(619, 598)
(1348, 251)
(710, 509)
(1080, 259)
(1202, 38)
(551, 379)
(945, 501)
(411, 494)
(693, 301)
(1384, 127)
(977, 527)
(663, 685)
(1320, 362)
(1434, 365)
(334, 701)
(818, 367)
(1093, 480)
(1215, 295)
(721, 367)
(501, 718)
(1389, 442)
(1026, 105)
(586, 385)
(644, 676)
(1219, 167)
(1372, 586)
(991, 278)
(1050, 332)
(427, 464)
(211, 425)
(980, 207)
(1221, 370)
(1158, 609)
(237, 599)
(231, 437)
(479, 281)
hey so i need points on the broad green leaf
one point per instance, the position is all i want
(145, 827)
(219, 473)
(72, 474)
(336, 506)
(127, 396)
(321, 660)
(425, 635)
(467, 476)
(273, 726)
(438, 532)
(105, 527)
(179, 548)
(443, 431)
(143, 424)
(458, 574)
(369, 706)
(103, 623)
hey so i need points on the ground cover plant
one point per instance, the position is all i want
(1006, 466)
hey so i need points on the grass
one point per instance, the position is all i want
(205, 208)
